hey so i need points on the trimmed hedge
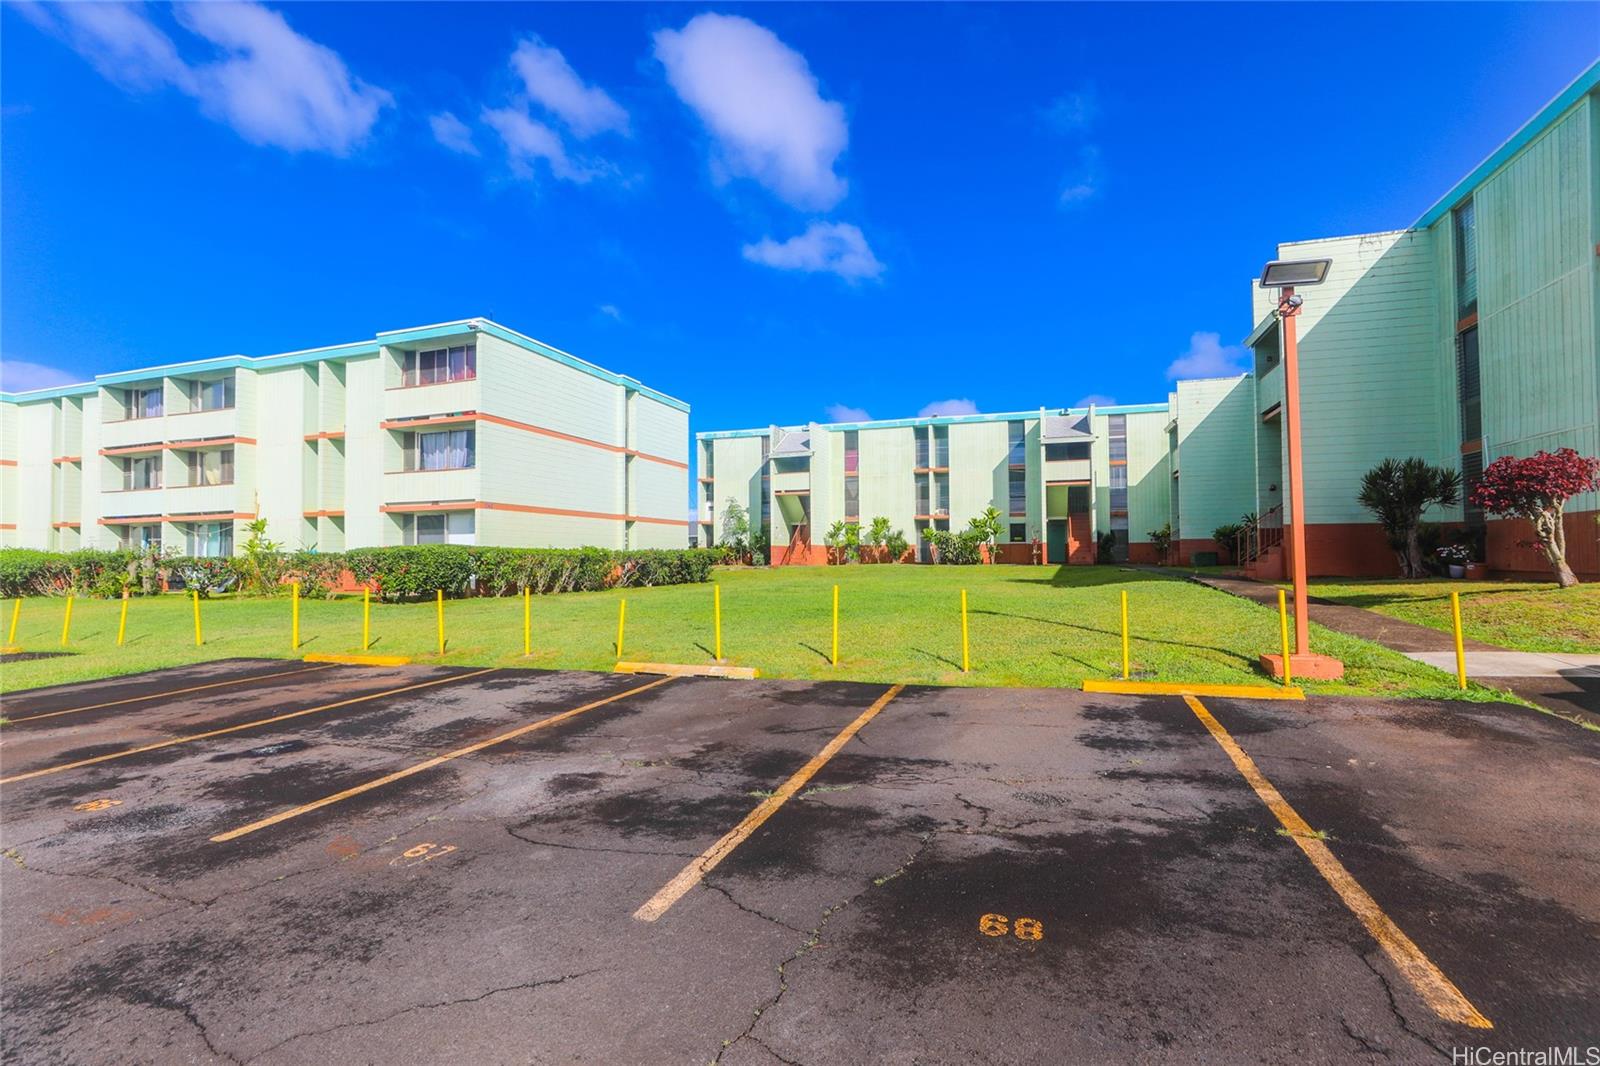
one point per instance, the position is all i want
(395, 573)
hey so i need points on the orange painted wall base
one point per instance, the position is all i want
(1507, 554)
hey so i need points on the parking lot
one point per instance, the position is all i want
(270, 862)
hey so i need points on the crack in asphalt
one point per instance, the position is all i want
(520, 986)
(590, 847)
(1394, 1005)
(752, 910)
(812, 939)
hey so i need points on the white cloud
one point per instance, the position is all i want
(825, 247)
(273, 86)
(18, 375)
(552, 82)
(1098, 399)
(948, 407)
(759, 100)
(1072, 111)
(528, 139)
(452, 133)
(1208, 357)
(611, 311)
(838, 412)
(1084, 182)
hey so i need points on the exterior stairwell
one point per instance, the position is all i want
(1258, 548)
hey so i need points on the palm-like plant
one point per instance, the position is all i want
(1397, 492)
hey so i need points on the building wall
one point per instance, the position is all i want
(1216, 457)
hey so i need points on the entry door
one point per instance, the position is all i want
(1055, 540)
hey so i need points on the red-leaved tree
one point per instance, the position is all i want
(1537, 488)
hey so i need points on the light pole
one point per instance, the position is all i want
(1284, 275)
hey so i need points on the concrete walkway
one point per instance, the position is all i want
(1568, 685)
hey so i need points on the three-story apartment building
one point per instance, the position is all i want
(463, 432)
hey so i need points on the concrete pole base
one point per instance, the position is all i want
(1305, 667)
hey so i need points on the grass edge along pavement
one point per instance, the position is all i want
(1030, 627)
(1534, 616)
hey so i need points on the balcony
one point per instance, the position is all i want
(1269, 389)
(201, 499)
(427, 486)
(132, 431)
(791, 481)
(190, 425)
(122, 503)
(420, 401)
(1067, 470)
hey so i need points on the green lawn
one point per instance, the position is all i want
(1029, 626)
(1523, 615)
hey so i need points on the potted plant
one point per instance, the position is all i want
(1455, 558)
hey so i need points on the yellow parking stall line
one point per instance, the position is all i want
(691, 874)
(172, 692)
(428, 764)
(1436, 990)
(1178, 688)
(236, 728)
(356, 660)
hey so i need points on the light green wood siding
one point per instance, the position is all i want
(1216, 453)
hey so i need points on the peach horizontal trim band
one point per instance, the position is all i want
(8, 462)
(144, 519)
(478, 416)
(322, 514)
(65, 525)
(484, 505)
(332, 434)
(171, 445)
(66, 459)
(8, 525)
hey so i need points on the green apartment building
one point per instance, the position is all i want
(1468, 336)
(463, 432)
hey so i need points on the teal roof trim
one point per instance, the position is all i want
(356, 350)
(1582, 85)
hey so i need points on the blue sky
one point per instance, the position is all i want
(778, 213)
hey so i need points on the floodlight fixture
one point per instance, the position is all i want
(1287, 272)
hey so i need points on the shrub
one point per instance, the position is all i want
(956, 549)
(1226, 537)
(1105, 547)
(1397, 492)
(1162, 539)
(263, 566)
(896, 543)
(317, 572)
(204, 575)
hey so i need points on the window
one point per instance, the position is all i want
(1057, 452)
(1018, 491)
(923, 499)
(1466, 230)
(1019, 532)
(1016, 440)
(445, 527)
(941, 486)
(211, 395)
(210, 468)
(137, 538)
(1117, 430)
(439, 365)
(1468, 387)
(142, 403)
(450, 449)
(766, 484)
(1119, 489)
(141, 472)
(208, 539)
(852, 497)
(941, 445)
(922, 447)
(852, 452)
(1119, 533)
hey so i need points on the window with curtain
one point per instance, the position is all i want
(1119, 488)
(141, 472)
(445, 527)
(211, 468)
(1016, 440)
(215, 395)
(441, 364)
(852, 497)
(209, 540)
(139, 537)
(451, 449)
(142, 403)
(852, 451)
(1018, 491)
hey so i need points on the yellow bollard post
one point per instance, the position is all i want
(716, 611)
(965, 663)
(1461, 653)
(836, 625)
(66, 623)
(294, 625)
(16, 615)
(1125, 661)
(198, 638)
(1283, 634)
(122, 623)
(439, 611)
(366, 618)
(527, 621)
(622, 618)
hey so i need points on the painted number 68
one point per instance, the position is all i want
(1000, 925)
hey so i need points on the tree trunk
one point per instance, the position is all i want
(1552, 535)
(1413, 553)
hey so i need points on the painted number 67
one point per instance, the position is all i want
(1000, 925)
